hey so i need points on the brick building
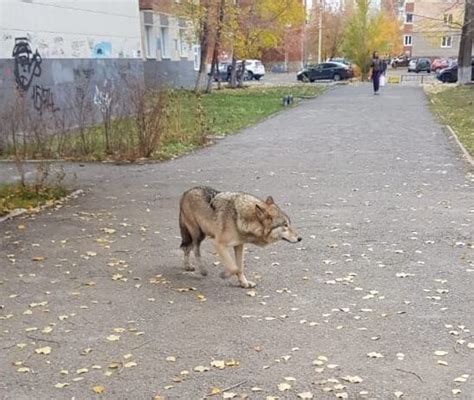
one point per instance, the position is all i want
(432, 28)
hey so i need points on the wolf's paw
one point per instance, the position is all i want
(224, 275)
(247, 284)
(203, 272)
(227, 274)
(189, 268)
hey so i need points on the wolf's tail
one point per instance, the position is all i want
(186, 238)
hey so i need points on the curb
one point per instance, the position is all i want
(468, 157)
(22, 211)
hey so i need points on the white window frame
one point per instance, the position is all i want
(446, 42)
(407, 43)
(448, 19)
(197, 56)
(165, 42)
(183, 43)
(149, 37)
(406, 18)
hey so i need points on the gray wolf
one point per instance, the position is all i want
(231, 220)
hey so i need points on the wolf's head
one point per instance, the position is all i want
(277, 225)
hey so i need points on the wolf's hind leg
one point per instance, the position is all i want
(197, 253)
(186, 244)
(187, 264)
(239, 260)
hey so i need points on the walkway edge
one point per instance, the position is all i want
(22, 211)
(468, 157)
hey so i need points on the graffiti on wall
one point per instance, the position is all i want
(27, 66)
(103, 97)
(43, 99)
(102, 50)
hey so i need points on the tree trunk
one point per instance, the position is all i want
(241, 74)
(215, 54)
(204, 43)
(233, 73)
(214, 68)
(465, 46)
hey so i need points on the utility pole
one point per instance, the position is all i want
(303, 36)
(320, 30)
(465, 46)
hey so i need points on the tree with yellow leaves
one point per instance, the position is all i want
(368, 31)
(257, 25)
(242, 27)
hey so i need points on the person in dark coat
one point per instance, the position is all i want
(376, 71)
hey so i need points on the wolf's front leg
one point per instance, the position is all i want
(239, 260)
(229, 264)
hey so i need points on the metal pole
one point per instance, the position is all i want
(303, 36)
(320, 30)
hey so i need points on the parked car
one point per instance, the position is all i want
(423, 64)
(401, 61)
(255, 69)
(328, 70)
(450, 74)
(223, 74)
(412, 65)
(340, 60)
(225, 70)
(440, 63)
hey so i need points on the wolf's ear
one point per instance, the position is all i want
(261, 212)
(269, 200)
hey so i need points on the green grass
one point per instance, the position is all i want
(455, 106)
(189, 118)
(14, 196)
(230, 110)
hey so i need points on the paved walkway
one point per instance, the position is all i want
(380, 291)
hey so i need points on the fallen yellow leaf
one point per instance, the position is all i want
(98, 389)
(43, 350)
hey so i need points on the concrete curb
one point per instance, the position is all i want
(22, 211)
(468, 157)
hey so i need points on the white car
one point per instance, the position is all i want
(412, 65)
(255, 69)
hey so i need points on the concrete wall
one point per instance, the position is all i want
(53, 52)
(72, 28)
(178, 74)
(61, 86)
(177, 66)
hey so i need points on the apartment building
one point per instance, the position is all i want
(432, 28)
(170, 51)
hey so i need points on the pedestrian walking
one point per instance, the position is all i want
(376, 71)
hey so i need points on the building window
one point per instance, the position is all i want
(407, 40)
(448, 19)
(150, 48)
(446, 41)
(165, 42)
(409, 18)
(183, 43)
(197, 57)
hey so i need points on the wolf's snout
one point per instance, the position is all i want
(299, 239)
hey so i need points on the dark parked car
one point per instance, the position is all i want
(225, 69)
(450, 75)
(401, 61)
(328, 70)
(223, 74)
(422, 64)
